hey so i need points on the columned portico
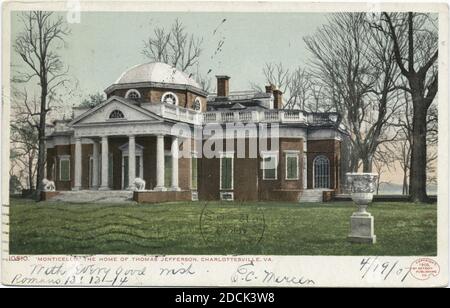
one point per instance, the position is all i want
(174, 152)
(160, 163)
(131, 161)
(77, 175)
(105, 164)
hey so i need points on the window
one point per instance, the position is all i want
(169, 98)
(270, 164)
(64, 169)
(197, 106)
(116, 114)
(194, 174)
(291, 166)
(133, 94)
(226, 171)
(321, 172)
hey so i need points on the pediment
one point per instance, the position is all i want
(107, 113)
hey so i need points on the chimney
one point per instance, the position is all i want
(223, 85)
(277, 99)
(270, 88)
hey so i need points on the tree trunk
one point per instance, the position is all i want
(367, 163)
(418, 174)
(42, 149)
(30, 172)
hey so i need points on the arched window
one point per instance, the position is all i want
(133, 94)
(197, 106)
(170, 98)
(321, 172)
(116, 114)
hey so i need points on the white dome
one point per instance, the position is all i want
(156, 72)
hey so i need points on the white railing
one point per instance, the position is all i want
(246, 116)
(179, 113)
(282, 116)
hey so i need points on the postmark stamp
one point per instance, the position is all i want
(243, 226)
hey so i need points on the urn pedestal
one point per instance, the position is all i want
(362, 186)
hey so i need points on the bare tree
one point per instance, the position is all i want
(294, 84)
(382, 162)
(356, 68)
(24, 137)
(415, 46)
(43, 34)
(173, 46)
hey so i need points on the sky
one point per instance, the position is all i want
(104, 44)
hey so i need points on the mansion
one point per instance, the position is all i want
(147, 129)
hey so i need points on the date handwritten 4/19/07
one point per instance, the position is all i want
(374, 267)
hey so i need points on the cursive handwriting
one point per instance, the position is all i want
(248, 273)
(90, 274)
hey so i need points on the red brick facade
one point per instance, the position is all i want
(248, 182)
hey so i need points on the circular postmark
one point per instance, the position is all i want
(232, 227)
(424, 268)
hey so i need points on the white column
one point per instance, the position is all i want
(77, 184)
(174, 152)
(305, 165)
(160, 163)
(95, 158)
(131, 161)
(105, 164)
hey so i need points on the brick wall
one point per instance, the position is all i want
(185, 98)
(248, 177)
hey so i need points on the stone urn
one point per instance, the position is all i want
(362, 186)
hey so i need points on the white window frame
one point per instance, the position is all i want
(169, 93)
(265, 155)
(127, 95)
(116, 119)
(314, 171)
(61, 159)
(287, 155)
(197, 99)
(227, 155)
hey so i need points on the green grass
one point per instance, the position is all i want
(224, 228)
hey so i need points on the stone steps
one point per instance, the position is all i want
(94, 196)
(312, 195)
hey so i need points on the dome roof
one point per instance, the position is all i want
(156, 72)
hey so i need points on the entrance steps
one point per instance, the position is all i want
(94, 196)
(312, 195)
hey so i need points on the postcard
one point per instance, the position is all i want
(213, 144)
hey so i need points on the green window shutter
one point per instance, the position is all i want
(226, 172)
(65, 170)
(292, 168)
(167, 171)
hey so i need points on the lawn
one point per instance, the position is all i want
(217, 228)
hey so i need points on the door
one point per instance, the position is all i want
(125, 172)
(125, 164)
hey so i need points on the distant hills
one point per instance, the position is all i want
(396, 189)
